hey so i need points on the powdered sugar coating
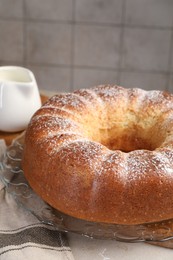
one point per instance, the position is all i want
(67, 101)
(52, 124)
(93, 179)
(108, 91)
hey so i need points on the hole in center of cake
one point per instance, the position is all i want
(128, 132)
(130, 140)
(129, 143)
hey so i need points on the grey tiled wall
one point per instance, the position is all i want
(72, 44)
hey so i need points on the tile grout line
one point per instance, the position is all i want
(82, 67)
(24, 34)
(170, 62)
(121, 42)
(72, 45)
(133, 26)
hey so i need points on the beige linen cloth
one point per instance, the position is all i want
(23, 237)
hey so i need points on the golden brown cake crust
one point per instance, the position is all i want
(104, 154)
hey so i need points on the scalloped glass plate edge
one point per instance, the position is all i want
(15, 183)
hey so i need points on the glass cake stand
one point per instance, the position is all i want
(12, 176)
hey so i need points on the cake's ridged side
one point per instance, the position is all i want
(67, 163)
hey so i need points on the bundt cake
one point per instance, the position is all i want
(104, 154)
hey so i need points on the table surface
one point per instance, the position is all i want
(87, 248)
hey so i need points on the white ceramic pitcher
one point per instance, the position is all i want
(19, 98)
